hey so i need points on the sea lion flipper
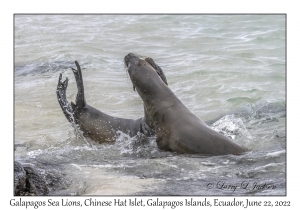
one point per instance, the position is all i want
(157, 68)
(161, 74)
(66, 82)
(74, 70)
(79, 69)
(62, 99)
(80, 99)
(60, 76)
(146, 130)
(73, 105)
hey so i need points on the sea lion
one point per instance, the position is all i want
(177, 129)
(95, 124)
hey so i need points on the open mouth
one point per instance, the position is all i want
(150, 61)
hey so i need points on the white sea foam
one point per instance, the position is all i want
(231, 126)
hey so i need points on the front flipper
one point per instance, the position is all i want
(146, 129)
(158, 69)
(62, 99)
(80, 99)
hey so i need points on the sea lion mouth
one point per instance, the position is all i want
(149, 60)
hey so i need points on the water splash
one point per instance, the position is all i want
(139, 145)
(232, 127)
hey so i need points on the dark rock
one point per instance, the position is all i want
(19, 179)
(35, 182)
(28, 181)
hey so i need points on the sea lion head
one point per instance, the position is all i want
(140, 69)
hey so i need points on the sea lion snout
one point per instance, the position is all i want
(131, 58)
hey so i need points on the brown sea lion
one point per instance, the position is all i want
(177, 128)
(95, 124)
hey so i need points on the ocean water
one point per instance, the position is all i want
(229, 70)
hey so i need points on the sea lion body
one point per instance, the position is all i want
(101, 127)
(95, 124)
(177, 128)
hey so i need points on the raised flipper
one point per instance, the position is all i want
(80, 99)
(158, 69)
(62, 99)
